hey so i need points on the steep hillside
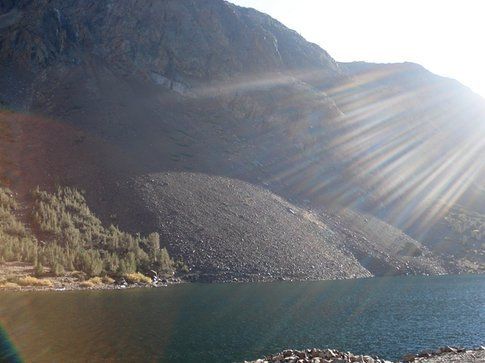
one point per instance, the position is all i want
(434, 165)
(222, 228)
(57, 235)
(231, 229)
(107, 95)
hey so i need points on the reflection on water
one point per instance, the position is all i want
(231, 322)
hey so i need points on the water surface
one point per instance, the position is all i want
(233, 322)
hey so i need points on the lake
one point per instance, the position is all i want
(232, 322)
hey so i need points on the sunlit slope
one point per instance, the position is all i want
(423, 153)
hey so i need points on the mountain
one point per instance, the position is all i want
(251, 151)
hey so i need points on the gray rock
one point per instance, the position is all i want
(408, 358)
(287, 353)
(446, 349)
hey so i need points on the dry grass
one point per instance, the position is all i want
(137, 278)
(108, 280)
(95, 280)
(87, 284)
(9, 286)
(34, 281)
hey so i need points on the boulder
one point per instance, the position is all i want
(425, 354)
(448, 349)
(287, 353)
(314, 353)
(329, 353)
(408, 358)
(152, 274)
(121, 281)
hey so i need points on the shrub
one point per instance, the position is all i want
(34, 281)
(86, 284)
(95, 280)
(137, 278)
(90, 262)
(108, 280)
(9, 286)
(38, 269)
(58, 269)
(7, 199)
(181, 266)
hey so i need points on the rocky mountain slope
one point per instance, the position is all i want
(253, 152)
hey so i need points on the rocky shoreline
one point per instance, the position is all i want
(77, 286)
(314, 355)
(19, 276)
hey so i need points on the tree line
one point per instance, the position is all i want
(63, 234)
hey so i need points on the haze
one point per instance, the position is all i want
(446, 37)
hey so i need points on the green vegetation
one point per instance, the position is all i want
(16, 243)
(64, 235)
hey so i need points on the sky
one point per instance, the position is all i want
(447, 37)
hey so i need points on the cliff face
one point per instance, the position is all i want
(185, 41)
(105, 93)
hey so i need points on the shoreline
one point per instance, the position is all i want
(446, 354)
(99, 287)
(20, 277)
(68, 283)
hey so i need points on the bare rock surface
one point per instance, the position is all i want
(233, 230)
(442, 355)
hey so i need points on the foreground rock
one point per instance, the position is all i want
(448, 354)
(445, 354)
(318, 356)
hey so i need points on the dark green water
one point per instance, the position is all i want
(233, 322)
